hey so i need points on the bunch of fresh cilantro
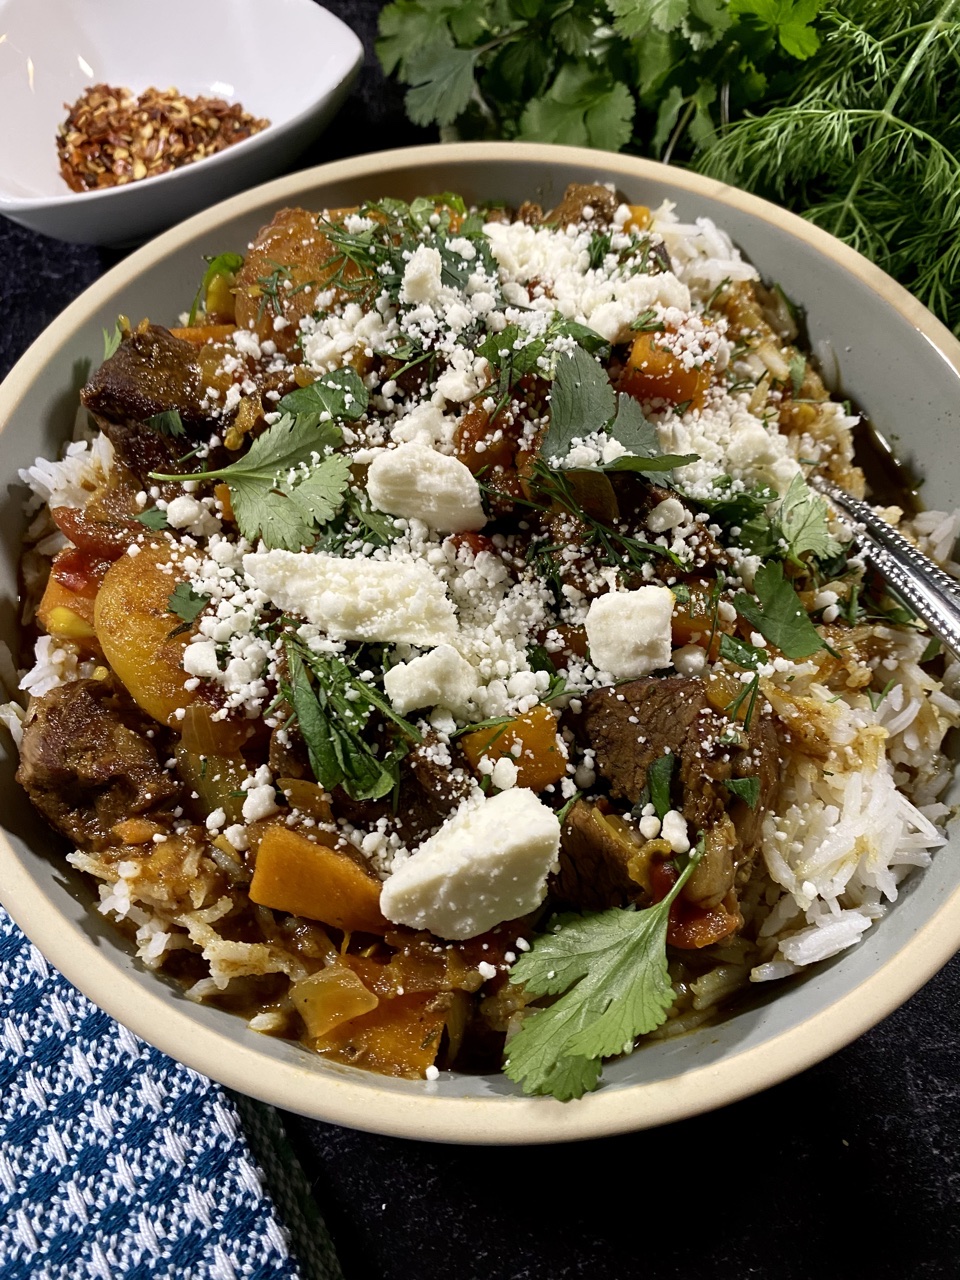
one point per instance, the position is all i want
(847, 111)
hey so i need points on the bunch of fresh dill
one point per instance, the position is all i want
(867, 142)
(847, 111)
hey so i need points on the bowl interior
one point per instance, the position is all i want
(876, 345)
(276, 59)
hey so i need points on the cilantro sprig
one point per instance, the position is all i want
(583, 403)
(609, 970)
(776, 612)
(288, 484)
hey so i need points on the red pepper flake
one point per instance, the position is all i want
(110, 137)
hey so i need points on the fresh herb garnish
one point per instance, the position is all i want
(656, 790)
(798, 371)
(540, 660)
(746, 789)
(779, 617)
(750, 658)
(167, 423)
(153, 518)
(583, 403)
(111, 340)
(801, 520)
(284, 489)
(186, 603)
(609, 970)
(333, 395)
(333, 707)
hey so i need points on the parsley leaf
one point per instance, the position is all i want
(779, 617)
(746, 789)
(187, 603)
(610, 971)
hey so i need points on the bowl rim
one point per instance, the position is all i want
(353, 56)
(363, 1100)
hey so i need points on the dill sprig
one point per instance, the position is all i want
(866, 144)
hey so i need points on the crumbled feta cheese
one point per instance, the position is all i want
(421, 276)
(504, 774)
(629, 631)
(666, 515)
(397, 601)
(673, 829)
(200, 659)
(486, 864)
(438, 678)
(414, 480)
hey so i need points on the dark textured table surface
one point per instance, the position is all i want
(851, 1169)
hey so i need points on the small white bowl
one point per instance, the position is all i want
(287, 60)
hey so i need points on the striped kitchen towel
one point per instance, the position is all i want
(117, 1162)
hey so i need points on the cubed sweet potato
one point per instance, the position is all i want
(297, 874)
(541, 758)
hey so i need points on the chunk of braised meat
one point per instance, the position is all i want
(86, 761)
(629, 726)
(596, 850)
(431, 788)
(580, 196)
(150, 372)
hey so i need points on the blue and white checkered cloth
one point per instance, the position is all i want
(117, 1162)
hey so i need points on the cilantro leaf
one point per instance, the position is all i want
(153, 518)
(263, 482)
(740, 653)
(746, 789)
(634, 18)
(610, 971)
(318, 496)
(167, 423)
(659, 776)
(575, 32)
(405, 28)
(582, 107)
(443, 83)
(283, 489)
(779, 617)
(790, 20)
(582, 401)
(639, 437)
(802, 518)
(340, 394)
(186, 603)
